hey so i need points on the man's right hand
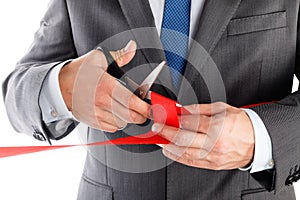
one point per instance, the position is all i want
(98, 99)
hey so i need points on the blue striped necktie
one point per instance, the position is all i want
(174, 36)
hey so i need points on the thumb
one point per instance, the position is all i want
(125, 55)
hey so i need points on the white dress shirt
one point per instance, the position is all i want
(54, 109)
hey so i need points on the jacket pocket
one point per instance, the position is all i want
(263, 194)
(253, 194)
(257, 23)
(91, 190)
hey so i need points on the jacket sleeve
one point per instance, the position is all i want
(53, 44)
(282, 120)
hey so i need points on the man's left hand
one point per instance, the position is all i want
(215, 136)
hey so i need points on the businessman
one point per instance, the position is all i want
(222, 55)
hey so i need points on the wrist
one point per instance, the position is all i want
(67, 77)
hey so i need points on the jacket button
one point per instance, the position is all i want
(39, 136)
(54, 113)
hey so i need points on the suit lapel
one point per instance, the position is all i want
(214, 19)
(213, 22)
(141, 22)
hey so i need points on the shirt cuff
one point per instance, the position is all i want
(263, 159)
(51, 101)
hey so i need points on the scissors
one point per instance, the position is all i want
(144, 93)
(142, 90)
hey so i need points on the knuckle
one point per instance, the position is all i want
(222, 161)
(212, 166)
(183, 139)
(220, 105)
(121, 124)
(188, 155)
(101, 125)
(179, 140)
(221, 147)
(112, 130)
(106, 128)
(132, 101)
(146, 110)
(190, 162)
(99, 101)
(103, 101)
(216, 165)
(133, 116)
(184, 121)
(218, 161)
(99, 117)
(203, 125)
(195, 107)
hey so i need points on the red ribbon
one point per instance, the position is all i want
(147, 138)
(165, 111)
(160, 105)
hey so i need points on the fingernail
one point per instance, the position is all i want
(128, 45)
(156, 128)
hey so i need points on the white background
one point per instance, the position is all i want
(47, 175)
(52, 175)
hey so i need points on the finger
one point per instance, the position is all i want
(195, 123)
(187, 153)
(109, 118)
(107, 127)
(109, 86)
(207, 109)
(193, 163)
(112, 106)
(125, 114)
(113, 96)
(181, 137)
(125, 55)
(131, 101)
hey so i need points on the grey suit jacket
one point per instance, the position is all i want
(254, 46)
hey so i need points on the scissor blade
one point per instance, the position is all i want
(145, 86)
